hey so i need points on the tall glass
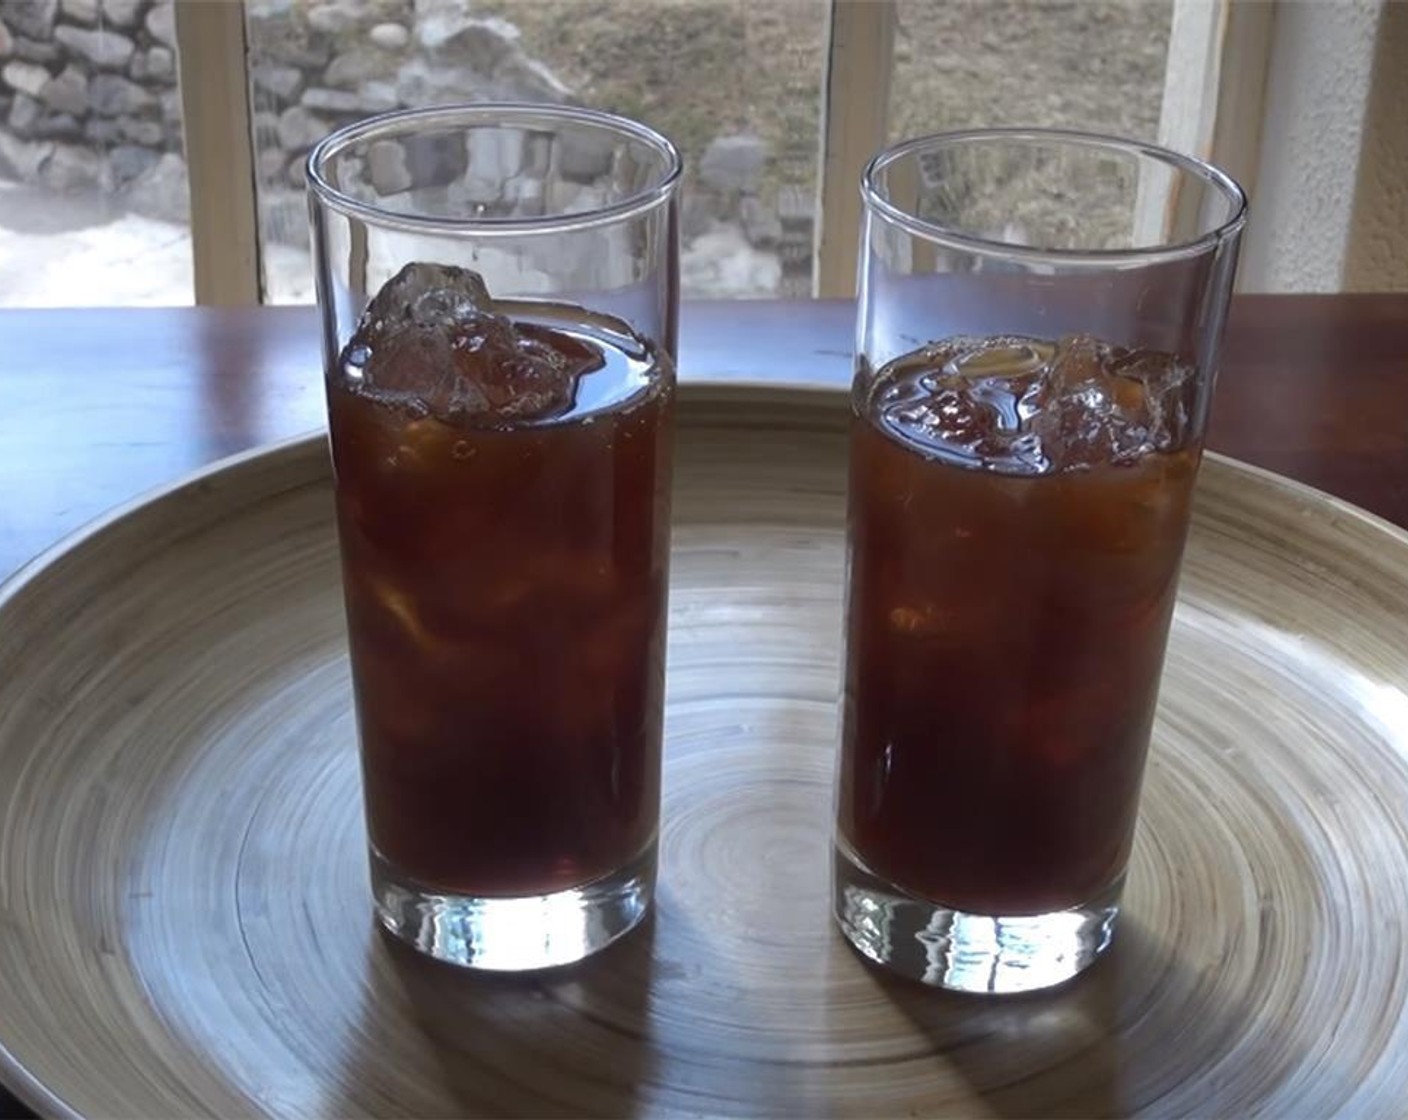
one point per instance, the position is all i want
(499, 289)
(1039, 322)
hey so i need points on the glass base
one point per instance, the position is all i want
(514, 934)
(968, 952)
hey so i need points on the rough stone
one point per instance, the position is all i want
(111, 96)
(162, 190)
(155, 65)
(521, 78)
(573, 198)
(530, 201)
(332, 19)
(480, 44)
(22, 159)
(421, 82)
(734, 162)
(358, 65)
(580, 160)
(438, 20)
(389, 36)
(280, 38)
(299, 129)
(434, 160)
(107, 50)
(761, 225)
(266, 128)
(476, 191)
(270, 164)
(171, 107)
(330, 100)
(561, 195)
(699, 210)
(284, 214)
(377, 97)
(100, 130)
(386, 166)
(84, 11)
(25, 76)
(67, 93)
(537, 155)
(32, 50)
(127, 161)
(141, 131)
(283, 82)
(25, 115)
(72, 167)
(33, 19)
(161, 24)
(797, 246)
(59, 126)
(722, 263)
(495, 155)
(796, 206)
(121, 13)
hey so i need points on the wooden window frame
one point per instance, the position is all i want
(1212, 107)
(210, 37)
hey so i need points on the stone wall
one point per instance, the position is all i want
(320, 65)
(88, 99)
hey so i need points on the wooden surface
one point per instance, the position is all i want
(183, 887)
(101, 405)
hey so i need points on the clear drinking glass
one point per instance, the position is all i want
(1039, 322)
(499, 290)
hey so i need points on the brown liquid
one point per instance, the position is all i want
(1006, 634)
(506, 594)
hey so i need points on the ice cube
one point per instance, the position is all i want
(1165, 389)
(974, 400)
(1025, 406)
(1107, 404)
(433, 336)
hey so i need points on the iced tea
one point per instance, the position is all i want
(502, 480)
(1018, 512)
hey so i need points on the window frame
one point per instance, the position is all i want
(1215, 80)
(219, 143)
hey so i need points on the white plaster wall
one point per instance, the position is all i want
(1321, 67)
(1378, 244)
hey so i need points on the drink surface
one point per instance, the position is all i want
(1017, 518)
(503, 509)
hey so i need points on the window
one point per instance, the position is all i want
(93, 193)
(1096, 65)
(736, 83)
(776, 104)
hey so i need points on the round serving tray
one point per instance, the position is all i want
(184, 919)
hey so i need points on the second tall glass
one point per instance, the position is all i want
(1040, 317)
(499, 287)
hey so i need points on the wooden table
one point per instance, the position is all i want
(101, 405)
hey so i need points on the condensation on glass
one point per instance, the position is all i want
(737, 85)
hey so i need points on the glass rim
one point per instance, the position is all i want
(400, 122)
(937, 232)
